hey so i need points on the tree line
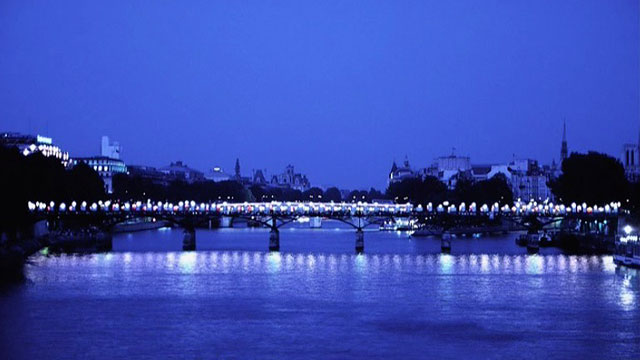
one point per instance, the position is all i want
(593, 178)
(36, 177)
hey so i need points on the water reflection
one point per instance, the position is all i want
(408, 299)
(251, 262)
(274, 261)
(187, 262)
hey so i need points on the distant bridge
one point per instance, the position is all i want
(449, 218)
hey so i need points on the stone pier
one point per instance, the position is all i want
(359, 241)
(226, 222)
(274, 239)
(189, 239)
(533, 242)
(315, 222)
(445, 243)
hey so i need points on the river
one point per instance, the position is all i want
(316, 299)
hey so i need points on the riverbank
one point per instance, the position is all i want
(14, 255)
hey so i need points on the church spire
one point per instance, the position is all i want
(564, 151)
(238, 168)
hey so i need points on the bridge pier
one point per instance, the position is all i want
(445, 243)
(359, 241)
(533, 242)
(274, 239)
(226, 222)
(104, 241)
(189, 239)
(315, 222)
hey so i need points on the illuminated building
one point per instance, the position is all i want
(105, 167)
(29, 144)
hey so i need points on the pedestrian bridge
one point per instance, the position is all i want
(532, 216)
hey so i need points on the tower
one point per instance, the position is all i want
(564, 152)
(394, 168)
(237, 168)
(109, 149)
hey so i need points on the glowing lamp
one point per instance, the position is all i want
(628, 229)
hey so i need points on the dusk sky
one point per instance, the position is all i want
(338, 89)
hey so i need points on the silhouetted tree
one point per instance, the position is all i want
(126, 188)
(39, 178)
(593, 178)
(493, 190)
(313, 194)
(464, 191)
(375, 194)
(84, 184)
(357, 195)
(332, 194)
(135, 188)
(633, 201)
(418, 191)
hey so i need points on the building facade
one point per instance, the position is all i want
(400, 173)
(529, 181)
(105, 167)
(29, 144)
(109, 149)
(180, 171)
(149, 173)
(289, 178)
(216, 174)
(631, 161)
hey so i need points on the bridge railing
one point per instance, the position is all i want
(321, 208)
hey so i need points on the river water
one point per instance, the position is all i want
(317, 299)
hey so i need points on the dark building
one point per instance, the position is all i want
(180, 171)
(149, 173)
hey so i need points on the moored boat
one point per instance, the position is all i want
(627, 251)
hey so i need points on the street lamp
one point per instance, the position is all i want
(628, 229)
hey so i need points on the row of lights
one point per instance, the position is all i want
(324, 208)
(533, 207)
(47, 151)
(225, 208)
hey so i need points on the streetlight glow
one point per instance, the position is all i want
(628, 229)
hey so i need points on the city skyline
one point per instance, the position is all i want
(231, 171)
(340, 100)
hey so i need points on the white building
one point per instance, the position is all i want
(449, 169)
(110, 149)
(453, 163)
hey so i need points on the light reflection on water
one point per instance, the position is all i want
(225, 261)
(223, 303)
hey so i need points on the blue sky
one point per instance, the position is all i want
(339, 89)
